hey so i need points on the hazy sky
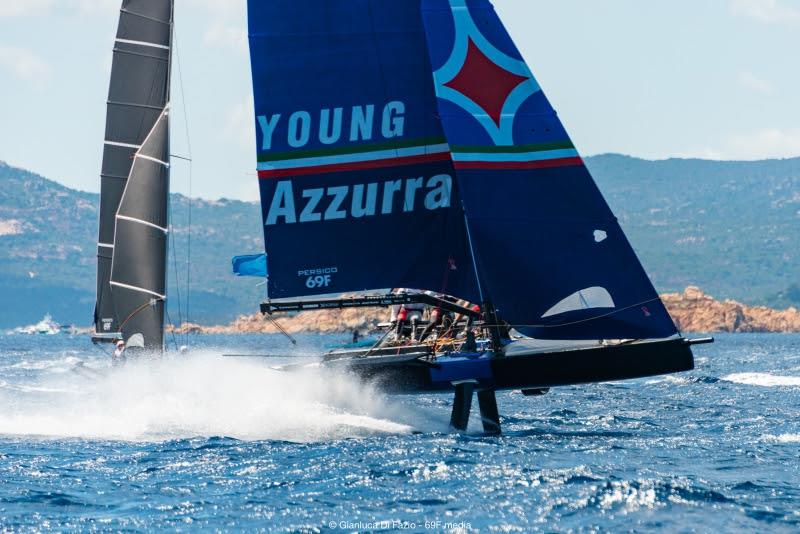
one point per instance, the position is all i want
(707, 78)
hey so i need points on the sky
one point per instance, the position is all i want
(716, 79)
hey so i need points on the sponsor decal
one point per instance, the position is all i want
(291, 205)
(332, 125)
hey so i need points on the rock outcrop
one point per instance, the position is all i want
(694, 311)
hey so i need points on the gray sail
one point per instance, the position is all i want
(137, 128)
(138, 268)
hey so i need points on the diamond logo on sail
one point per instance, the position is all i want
(471, 81)
(483, 80)
(486, 78)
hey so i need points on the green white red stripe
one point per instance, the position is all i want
(351, 158)
(360, 157)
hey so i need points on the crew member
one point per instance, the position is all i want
(415, 313)
(401, 319)
(406, 316)
(469, 345)
(118, 358)
(435, 321)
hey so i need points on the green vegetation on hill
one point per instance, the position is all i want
(784, 299)
(732, 228)
(47, 255)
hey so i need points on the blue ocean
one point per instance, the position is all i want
(203, 441)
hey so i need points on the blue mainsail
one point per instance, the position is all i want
(357, 184)
(551, 256)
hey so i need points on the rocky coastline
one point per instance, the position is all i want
(693, 311)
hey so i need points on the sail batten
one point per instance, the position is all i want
(135, 176)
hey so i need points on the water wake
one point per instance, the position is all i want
(782, 438)
(199, 395)
(763, 379)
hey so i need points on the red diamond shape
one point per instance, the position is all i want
(485, 82)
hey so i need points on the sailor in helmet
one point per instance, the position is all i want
(118, 358)
(406, 316)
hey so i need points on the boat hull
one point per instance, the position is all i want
(538, 370)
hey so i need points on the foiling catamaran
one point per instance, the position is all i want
(400, 144)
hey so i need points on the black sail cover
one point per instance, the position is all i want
(131, 266)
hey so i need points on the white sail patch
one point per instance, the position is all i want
(591, 297)
(291, 206)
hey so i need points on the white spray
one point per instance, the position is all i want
(203, 395)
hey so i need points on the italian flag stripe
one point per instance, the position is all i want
(350, 149)
(355, 166)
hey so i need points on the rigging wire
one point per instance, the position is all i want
(189, 160)
(282, 330)
(172, 331)
(171, 240)
(174, 267)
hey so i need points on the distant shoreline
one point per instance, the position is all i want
(693, 312)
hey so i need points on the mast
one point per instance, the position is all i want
(132, 244)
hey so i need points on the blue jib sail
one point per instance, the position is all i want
(357, 185)
(551, 256)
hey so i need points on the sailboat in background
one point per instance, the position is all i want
(132, 244)
(407, 144)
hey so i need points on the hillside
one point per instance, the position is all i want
(47, 252)
(732, 228)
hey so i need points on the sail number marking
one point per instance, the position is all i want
(318, 278)
(314, 282)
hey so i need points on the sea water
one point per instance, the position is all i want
(200, 440)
